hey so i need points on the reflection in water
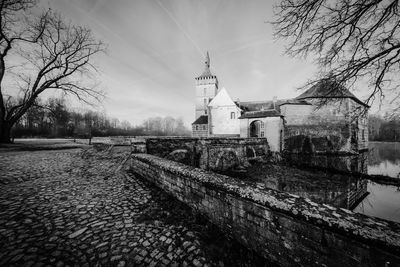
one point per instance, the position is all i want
(384, 158)
(383, 202)
(337, 190)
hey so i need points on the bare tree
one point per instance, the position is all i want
(56, 56)
(354, 40)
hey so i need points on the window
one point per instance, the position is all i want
(205, 111)
(197, 127)
(204, 127)
(262, 133)
(232, 115)
(262, 125)
(363, 135)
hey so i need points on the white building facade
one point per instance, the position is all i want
(217, 115)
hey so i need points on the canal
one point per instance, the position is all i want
(383, 201)
(339, 190)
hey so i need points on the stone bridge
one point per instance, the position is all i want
(217, 154)
(284, 228)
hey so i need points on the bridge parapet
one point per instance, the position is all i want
(285, 228)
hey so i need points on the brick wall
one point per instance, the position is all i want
(281, 227)
(200, 130)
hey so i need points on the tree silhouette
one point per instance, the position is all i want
(54, 55)
(354, 40)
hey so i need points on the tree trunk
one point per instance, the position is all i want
(5, 132)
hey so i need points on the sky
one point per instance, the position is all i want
(157, 47)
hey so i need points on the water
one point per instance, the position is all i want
(383, 201)
(340, 190)
(384, 158)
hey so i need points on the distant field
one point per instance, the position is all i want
(47, 141)
(43, 144)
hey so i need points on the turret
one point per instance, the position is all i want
(206, 88)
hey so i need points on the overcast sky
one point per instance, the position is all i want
(157, 48)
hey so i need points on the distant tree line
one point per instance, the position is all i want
(385, 128)
(52, 118)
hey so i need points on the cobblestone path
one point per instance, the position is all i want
(68, 208)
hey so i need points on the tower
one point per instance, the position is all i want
(206, 89)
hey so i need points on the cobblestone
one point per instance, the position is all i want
(66, 207)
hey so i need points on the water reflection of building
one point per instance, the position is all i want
(334, 189)
(355, 163)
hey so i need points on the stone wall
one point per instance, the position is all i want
(341, 118)
(326, 145)
(279, 226)
(216, 154)
(200, 130)
(318, 138)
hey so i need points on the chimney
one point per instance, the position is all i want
(274, 99)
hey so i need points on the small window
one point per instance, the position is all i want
(262, 133)
(262, 125)
(197, 127)
(204, 127)
(363, 135)
(233, 115)
(205, 111)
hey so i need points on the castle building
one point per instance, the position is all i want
(297, 125)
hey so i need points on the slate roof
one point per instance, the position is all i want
(207, 73)
(260, 114)
(328, 89)
(295, 102)
(259, 105)
(201, 120)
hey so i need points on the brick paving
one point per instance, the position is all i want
(74, 208)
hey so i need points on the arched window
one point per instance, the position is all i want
(232, 115)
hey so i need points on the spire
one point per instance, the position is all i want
(206, 73)
(207, 62)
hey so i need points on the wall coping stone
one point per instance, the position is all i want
(373, 231)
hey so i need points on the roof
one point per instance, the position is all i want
(201, 120)
(222, 99)
(260, 105)
(261, 114)
(207, 73)
(295, 102)
(329, 89)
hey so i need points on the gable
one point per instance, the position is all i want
(222, 99)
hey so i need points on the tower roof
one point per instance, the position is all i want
(206, 73)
